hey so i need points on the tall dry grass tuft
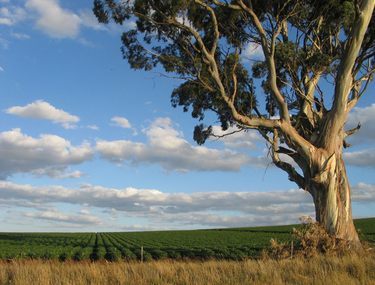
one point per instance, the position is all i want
(348, 269)
(309, 240)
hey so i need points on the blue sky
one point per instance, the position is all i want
(86, 144)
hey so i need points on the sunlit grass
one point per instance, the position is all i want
(349, 269)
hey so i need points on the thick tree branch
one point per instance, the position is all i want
(287, 167)
(269, 55)
(353, 131)
(344, 75)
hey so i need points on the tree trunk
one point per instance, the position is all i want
(331, 193)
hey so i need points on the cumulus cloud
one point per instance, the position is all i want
(43, 110)
(66, 218)
(84, 212)
(215, 220)
(54, 20)
(207, 209)
(167, 148)
(363, 193)
(234, 139)
(366, 117)
(159, 207)
(362, 158)
(121, 122)
(48, 155)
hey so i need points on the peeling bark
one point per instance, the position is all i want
(331, 193)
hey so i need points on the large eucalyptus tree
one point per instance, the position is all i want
(304, 43)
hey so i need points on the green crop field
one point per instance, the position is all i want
(220, 243)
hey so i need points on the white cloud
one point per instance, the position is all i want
(11, 15)
(89, 20)
(121, 122)
(48, 155)
(74, 175)
(234, 139)
(363, 193)
(252, 51)
(366, 117)
(43, 110)
(66, 218)
(84, 212)
(150, 201)
(215, 220)
(1, 69)
(93, 127)
(85, 42)
(361, 158)
(54, 20)
(167, 148)
(208, 209)
(19, 36)
(159, 207)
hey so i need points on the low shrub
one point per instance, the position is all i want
(309, 240)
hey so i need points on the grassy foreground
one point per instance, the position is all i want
(349, 269)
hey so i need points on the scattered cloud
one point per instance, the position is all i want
(11, 14)
(4, 43)
(159, 207)
(43, 110)
(66, 218)
(74, 175)
(57, 22)
(88, 19)
(1, 69)
(120, 122)
(146, 201)
(84, 212)
(19, 36)
(253, 51)
(93, 127)
(85, 42)
(362, 158)
(363, 193)
(366, 117)
(54, 20)
(233, 138)
(202, 209)
(167, 148)
(48, 155)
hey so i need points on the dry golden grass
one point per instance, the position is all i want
(349, 269)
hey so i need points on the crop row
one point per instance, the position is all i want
(226, 243)
(115, 246)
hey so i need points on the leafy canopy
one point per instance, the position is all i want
(204, 42)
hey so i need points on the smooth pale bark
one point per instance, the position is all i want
(331, 193)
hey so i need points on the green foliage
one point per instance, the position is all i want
(174, 254)
(203, 43)
(127, 254)
(159, 254)
(230, 243)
